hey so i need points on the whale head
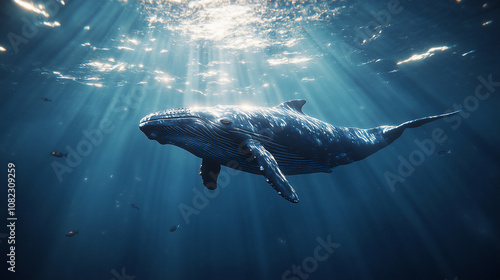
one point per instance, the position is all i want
(201, 129)
(182, 125)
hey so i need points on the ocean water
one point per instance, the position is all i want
(77, 77)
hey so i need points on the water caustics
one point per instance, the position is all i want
(39, 9)
(416, 57)
(236, 25)
(228, 30)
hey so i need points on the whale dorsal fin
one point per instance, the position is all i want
(295, 105)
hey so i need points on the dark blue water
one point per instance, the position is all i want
(77, 76)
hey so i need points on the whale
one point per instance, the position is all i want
(269, 141)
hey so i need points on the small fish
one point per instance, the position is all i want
(72, 233)
(134, 206)
(174, 228)
(59, 154)
(281, 241)
(46, 99)
(444, 152)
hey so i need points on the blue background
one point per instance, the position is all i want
(113, 62)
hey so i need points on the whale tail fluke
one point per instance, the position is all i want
(393, 132)
(422, 121)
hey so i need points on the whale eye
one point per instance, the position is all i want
(226, 121)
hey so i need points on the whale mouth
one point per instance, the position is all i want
(175, 126)
(181, 113)
(163, 120)
(157, 125)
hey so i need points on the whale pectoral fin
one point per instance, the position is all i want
(209, 171)
(270, 169)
